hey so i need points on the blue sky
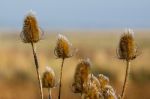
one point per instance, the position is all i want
(80, 14)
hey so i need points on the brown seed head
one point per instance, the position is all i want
(63, 47)
(31, 32)
(109, 93)
(92, 93)
(81, 76)
(127, 47)
(103, 80)
(48, 78)
(93, 80)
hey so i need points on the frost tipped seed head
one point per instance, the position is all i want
(31, 32)
(103, 80)
(93, 80)
(127, 47)
(63, 47)
(109, 93)
(48, 78)
(92, 93)
(81, 75)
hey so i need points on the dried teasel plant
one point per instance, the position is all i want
(90, 86)
(103, 80)
(94, 80)
(92, 93)
(81, 76)
(92, 90)
(62, 50)
(99, 88)
(127, 50)
(49, 80)
(31, 33)
(109, 92)
(63, 47)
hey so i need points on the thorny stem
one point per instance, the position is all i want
(37, 70)
(126, 78)
(49, 93)
(60, 78)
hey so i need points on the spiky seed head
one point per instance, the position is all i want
(63, 47)
(92, 93)
(93, 80)
(127, 47)
(81, 75)
(109, 93)
(31, 32)
(103, 80)
(48, 78)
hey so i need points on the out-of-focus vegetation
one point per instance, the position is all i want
(18, 77)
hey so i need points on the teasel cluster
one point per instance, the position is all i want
(31, 33)
(49, 80)
(62, 50)
(81, 76)
(85, 83)
(90, 86)
(127, 50)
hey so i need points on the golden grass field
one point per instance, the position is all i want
(17, 71)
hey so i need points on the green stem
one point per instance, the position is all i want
(37, 70)
(126, 78)
(61, 78)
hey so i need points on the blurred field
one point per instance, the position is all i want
(18, 77)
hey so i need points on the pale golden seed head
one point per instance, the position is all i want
(127, 47)
(109, 93)
(93, 80)
(92, 93)
(63, 47)
(81, 76)
(48, 78)
(103, 80)
(31, 33)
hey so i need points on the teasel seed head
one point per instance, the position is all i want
(48, 78)
(81, 76)
(109, 93)
(127, 47)
(103, 80)
(93, 80)
(31, 33)
(63, 47)
(92, 93)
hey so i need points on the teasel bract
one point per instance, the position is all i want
(92, 90)
(31, 33)
(94, 80)
(100, 89)
(49, 80)
(127, 50)
(103, 80)
(81, 76)
(62, 50)
(109, 92)
(92, 93)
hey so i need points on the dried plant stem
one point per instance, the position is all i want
(126, 78)
(49, 93)
(61, 78)
(37, 70)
